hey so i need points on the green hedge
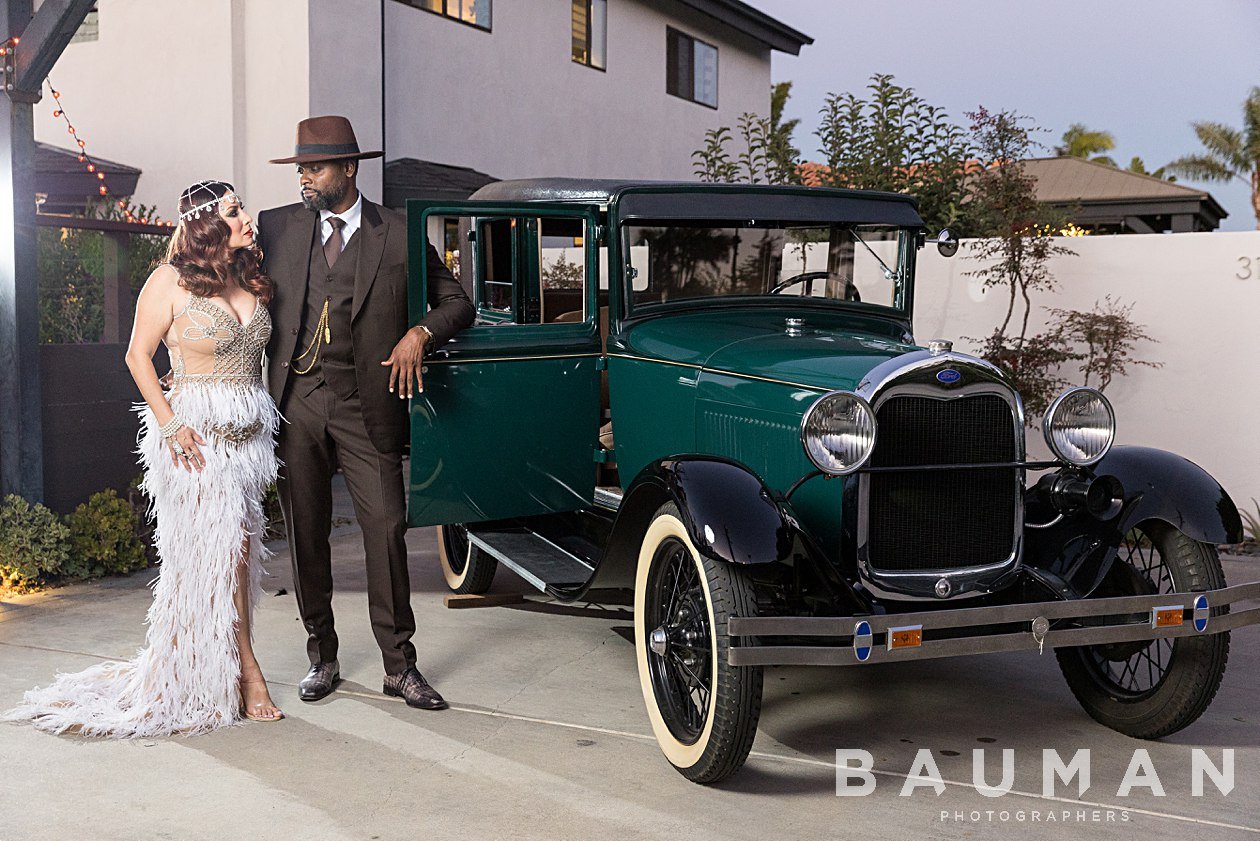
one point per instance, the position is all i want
(103, 538)
(37, 547)
(34, 543)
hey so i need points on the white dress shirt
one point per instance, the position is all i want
(351, 217)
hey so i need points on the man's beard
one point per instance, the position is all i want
(325, 199)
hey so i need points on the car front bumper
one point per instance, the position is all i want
(890, 638)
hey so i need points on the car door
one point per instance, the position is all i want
(508, 422)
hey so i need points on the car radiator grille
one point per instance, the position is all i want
(944, 519)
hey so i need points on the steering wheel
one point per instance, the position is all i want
(803, 277)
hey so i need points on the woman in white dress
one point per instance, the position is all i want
(207, 448)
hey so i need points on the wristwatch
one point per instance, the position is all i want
(428, 333)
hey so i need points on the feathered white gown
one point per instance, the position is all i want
(186, 678)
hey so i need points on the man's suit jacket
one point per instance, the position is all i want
(379, 311)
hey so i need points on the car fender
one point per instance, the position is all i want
(729, 513)
(1164, 486)
(1158, 485)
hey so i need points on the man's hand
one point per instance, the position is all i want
(405, 361)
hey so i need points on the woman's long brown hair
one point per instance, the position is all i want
(199, 249)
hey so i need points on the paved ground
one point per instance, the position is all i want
(547, 738)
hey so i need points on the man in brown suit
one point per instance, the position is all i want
(342, 365)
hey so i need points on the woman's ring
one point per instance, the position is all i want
(178, 448)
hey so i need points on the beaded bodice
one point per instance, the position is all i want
(206, 341)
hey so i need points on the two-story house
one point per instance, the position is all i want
(454, 91)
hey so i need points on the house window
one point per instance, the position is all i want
(472, 12)
(590, 33)
(89, 30)
(691, 68)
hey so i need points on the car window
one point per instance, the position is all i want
(524, 270)
(678, 261)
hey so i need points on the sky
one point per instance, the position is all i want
(1143, 71)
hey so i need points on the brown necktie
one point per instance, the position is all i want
(332, 248)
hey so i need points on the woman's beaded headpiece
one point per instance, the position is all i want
(212, 200)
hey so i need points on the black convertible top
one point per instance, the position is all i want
(696, 200)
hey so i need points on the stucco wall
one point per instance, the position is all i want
(513, 104)
(1197, 294)
(275, 96)
(345, 74)
(186, 90)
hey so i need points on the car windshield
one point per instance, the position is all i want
(839, 262)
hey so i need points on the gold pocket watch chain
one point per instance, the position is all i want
(321, 329)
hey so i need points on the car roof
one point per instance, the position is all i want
(692, 199)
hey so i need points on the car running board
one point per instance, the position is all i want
(533, 557)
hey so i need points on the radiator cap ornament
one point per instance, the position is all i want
(938, 346)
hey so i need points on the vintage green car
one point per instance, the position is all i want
(712, 396)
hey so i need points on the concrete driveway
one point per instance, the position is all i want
(547, 738)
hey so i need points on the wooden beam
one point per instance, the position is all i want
(86, 223)
(1183, 223)
(21, 418)
(118, 306)
(43, 41)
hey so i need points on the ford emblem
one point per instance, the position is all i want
(949, 376)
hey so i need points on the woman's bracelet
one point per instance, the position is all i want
(168, 429)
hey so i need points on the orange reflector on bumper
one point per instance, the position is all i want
(911, 636)
(1167, 617)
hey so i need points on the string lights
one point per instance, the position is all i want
(6, 59)
(91, 165)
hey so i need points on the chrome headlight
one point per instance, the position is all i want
(1080, 426)
(838, 432)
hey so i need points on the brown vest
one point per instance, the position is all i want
(336, 286)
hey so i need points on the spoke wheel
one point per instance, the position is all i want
(467, 569)
(703, 711)
(1151, 688)
(679, 648)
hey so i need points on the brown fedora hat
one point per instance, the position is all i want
(325, 139)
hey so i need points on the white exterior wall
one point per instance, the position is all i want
(1190, 294)
(345, 75)
(274, 98)
(512, 103)
(187, 90)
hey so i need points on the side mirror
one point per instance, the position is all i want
(946, 243)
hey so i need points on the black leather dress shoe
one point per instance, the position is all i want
(319, 681)
(414, 689)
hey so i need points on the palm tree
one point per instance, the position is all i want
(1139, 166)
(1080, 142)
(1229, 153)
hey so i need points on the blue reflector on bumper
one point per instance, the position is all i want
(862, 639)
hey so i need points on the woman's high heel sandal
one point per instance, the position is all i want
(253, 712)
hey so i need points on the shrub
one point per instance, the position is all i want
(1107, 336)
(33, 542)
(1251, 524)
(103, 538)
